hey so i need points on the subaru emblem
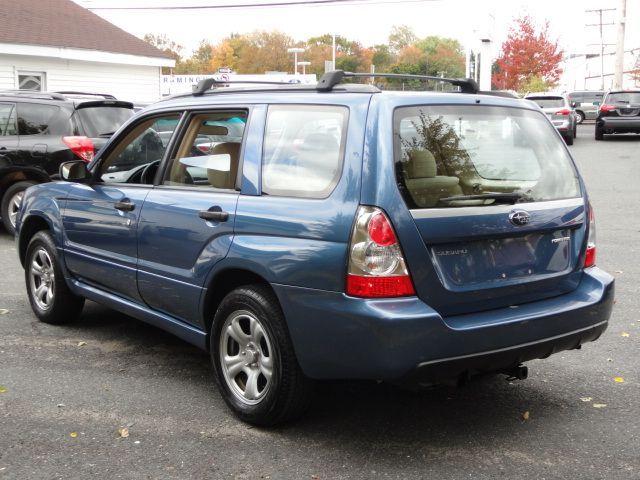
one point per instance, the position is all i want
(519, 218)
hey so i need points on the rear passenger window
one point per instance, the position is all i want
(34, 119)
(303, 150)
(7, 119)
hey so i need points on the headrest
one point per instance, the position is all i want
(421, 164)
(231, 148)
(218, 130)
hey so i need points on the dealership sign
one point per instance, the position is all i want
(174, 84)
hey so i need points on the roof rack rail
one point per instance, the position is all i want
(333, 78)
(34, 94)
(89, 94)
(208, 83)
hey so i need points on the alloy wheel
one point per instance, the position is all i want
(246, 357)
(14, 207)
(42, 279)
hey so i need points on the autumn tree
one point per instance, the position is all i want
(166, 45)
(401, 36)
(527, 54)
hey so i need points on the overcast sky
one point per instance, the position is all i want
(370, 24)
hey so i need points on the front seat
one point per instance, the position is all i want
(221, 178)
(423, 183)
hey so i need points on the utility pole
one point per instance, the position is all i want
(600, 25)
(619, 68)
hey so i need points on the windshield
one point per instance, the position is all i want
(624, 97)
(452, 151)
(102, 121)
(548, 102)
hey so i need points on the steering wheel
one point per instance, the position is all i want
(149, 173)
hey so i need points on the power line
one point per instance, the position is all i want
(262, 5)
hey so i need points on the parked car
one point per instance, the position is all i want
(332, 232)
(619, 113)
(41, 130)
(559, 110)
(585, 103)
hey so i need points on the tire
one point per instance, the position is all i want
(575, 131)
(580, 116)
(57, 305)
(271, 398)
(569, 138)
(599, 134)
(8, 205)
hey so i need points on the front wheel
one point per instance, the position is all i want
(254, 361)
(580, 116)
(50, 297)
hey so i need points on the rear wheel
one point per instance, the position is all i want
(569, 138)
(253, 357)
(50, 297)
(580, 116)
(599, 133)
(10, 205)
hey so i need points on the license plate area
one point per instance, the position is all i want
(495, 262)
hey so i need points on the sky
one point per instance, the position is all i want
(370, 24)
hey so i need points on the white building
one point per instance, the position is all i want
(582, 72)
(57, 45)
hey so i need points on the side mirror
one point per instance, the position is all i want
(74, 171)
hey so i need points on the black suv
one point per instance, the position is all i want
(41, 130)
(619, 113)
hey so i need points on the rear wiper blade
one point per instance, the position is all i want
(106, 134)
(497, 196)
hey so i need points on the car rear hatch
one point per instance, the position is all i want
(621, 104)
(497, 204)
(99, 119)
(555, 108)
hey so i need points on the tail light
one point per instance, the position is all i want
(606, 108)
(82, 147)
(376, 265)
(590, 256)
(564, 111)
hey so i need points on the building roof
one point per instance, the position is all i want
(63, 23)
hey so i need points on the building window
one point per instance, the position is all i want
(33, 81)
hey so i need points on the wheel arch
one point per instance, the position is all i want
(224, 281)
(11, 175)
(30, 226)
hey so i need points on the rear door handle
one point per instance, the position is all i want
(124, 206)
(214, 215)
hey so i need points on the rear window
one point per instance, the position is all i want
(446, 153)
(37, 119)
(102, 121)
(548, 102)
(624, 97)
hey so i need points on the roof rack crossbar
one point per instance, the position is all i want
(72, 92)
(331, 79)
(208, 83)
(34, 94)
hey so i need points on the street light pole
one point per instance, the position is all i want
(295, 51)
(304, 66)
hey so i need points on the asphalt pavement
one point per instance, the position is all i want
(66, 391)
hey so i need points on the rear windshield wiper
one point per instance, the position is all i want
(106, 134)
(499, 197)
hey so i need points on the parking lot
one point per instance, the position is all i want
(65, 392)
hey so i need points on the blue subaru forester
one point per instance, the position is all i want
(332, 231)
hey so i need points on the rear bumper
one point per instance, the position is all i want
(627, 124)
(340, 337)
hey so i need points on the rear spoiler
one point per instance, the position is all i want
(104, 103)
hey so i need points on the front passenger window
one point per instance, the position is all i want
(137, 156)
(209, 153)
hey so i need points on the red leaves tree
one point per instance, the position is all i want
(527, 54)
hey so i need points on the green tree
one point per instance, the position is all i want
(166, 45)
(401, 36)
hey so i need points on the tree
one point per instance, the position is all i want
(527, 53)
(166, 45)
(401, 36)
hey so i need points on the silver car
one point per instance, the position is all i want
(560, 113)
(586, 103)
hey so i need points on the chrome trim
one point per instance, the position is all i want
(419, 213)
